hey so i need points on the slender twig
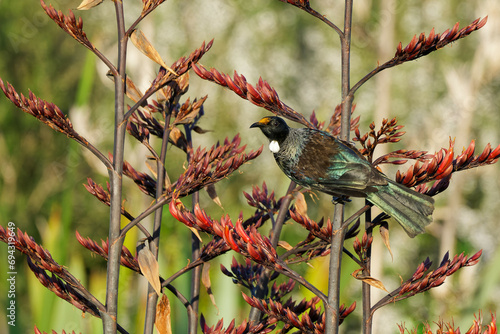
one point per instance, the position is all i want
(356, 215)
(325, 20)
(195, 251)
(196, 263)
(154, 244)
(261, 290)
(366, 290)
(115, 176)
(195, 278)
(332, 309)
(159, 203)
(182, 298)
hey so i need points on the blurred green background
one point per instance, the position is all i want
(451, 93)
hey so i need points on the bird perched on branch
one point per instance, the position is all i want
(317, 160)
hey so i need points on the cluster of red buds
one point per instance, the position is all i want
(442, 164)
(37, 331)
(127, 259)
(306, 316)
(421, 282)
(143, 181)
(362, 247)
(421, 46)
(141, 124)
(102, 195)
(247, 241)
(207, 167)
(388, 133)
(262, 94)
(261, 199)
(181, 66)
(44, 111)
(320, 229)
(334, 125)
(61, 282)
(248, 274)
(262, 327)
(69, 23)
(449, 328)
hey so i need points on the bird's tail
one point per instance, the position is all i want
(411, 209)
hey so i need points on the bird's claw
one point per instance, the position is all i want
(340, 200)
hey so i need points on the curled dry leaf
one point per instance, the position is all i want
(384, 233)
(142, 44)
(205, 279)
(285, 245)
(300, 203)
(149, 267)
(195, 232)
(213, 195)
(358, 274)
(88, 4)
(132, 91)
(162, 322)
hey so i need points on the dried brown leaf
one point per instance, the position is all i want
(300, 203)
(162, 322)
(358, 274)
(285, 245)
(149, 267)
(132, 91)
(142, 44)
(88, 4)
(205, 279)
(213, 195)
(177, 137)
(199, 130)
(384, 233)
(195, 232)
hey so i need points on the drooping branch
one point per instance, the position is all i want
(262, 94)
(421, 282)
(61, 282)
(74, 27)
(51, 115)
(421, 46)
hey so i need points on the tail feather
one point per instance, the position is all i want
(411, 209)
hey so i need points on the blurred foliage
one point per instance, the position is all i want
(454, 92)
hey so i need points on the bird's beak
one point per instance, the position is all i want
(256, 125)
(261, 123)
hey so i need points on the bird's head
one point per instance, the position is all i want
(274, 128)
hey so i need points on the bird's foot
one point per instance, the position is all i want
(340, 200)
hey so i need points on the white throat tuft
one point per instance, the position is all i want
(274, 146)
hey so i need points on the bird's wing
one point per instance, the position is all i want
(328, 164)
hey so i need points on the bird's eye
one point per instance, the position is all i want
(274, 122)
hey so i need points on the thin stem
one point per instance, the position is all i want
(115, 175)
(332, 309)
(195, 250)
(356, 215)
(190, 266)
(154, 243)
(367, 319)
(325, 20)
(370, 75)
(159, 203)
(195, 278)
(182, 298)
(261, 290)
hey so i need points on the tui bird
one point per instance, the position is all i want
(317, 160)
